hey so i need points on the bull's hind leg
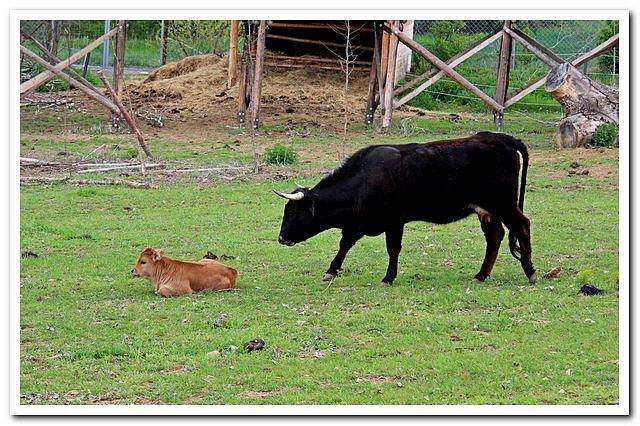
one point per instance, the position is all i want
(493, 234)
(520, 231)
(347, 241)
(394, 245)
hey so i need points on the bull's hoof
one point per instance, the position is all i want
(479, 278)
(384, 284)
(532, 278)
(328, 277)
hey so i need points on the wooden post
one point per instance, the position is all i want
(45, 76)
(233, 55)
(502, 81)
(164, 35)
(84, 89)
(391, 72)
(381, 68)
(371, 94)
(53, 47)
(128, 118)
(257, 75)
(244, 87)
(118, 66)
(85, 65)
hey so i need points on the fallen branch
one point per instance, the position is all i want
(84, 182)
(123, 167)
(25, 161)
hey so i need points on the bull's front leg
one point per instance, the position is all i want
(348, 240)
(394, 245)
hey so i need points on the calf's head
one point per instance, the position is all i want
(146, 265)
(300, 221)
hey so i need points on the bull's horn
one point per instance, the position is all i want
(295, 196)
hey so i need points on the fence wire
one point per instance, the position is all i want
(568, 39)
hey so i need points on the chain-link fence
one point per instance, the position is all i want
(147, 39)
(144, 39)
(568, 39)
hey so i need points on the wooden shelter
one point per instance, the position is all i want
(385, 49)
(343, 46)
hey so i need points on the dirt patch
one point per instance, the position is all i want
(255, 394)
(196, 88)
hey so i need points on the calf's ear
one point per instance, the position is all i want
(157, 255)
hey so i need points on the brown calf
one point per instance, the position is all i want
(175, 278)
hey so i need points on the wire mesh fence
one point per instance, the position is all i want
(144, 42)
(568, 39)
(144, 49)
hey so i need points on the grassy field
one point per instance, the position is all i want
(92, 334)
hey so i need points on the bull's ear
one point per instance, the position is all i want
(157, 255)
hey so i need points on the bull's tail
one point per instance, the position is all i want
(521, 148)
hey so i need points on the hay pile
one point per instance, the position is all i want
(197, 85)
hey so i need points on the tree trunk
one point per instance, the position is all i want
(586, 103)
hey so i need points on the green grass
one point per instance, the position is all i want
(90, 332)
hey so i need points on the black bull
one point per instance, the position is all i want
(381, 188)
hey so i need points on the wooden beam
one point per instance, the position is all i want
(312, 59)
(55, 60)
(257, 75)
(45, 76)
(391, 72)
(313, 26)
(502, 80)
(435, 74)
(593, 53)
(232, 72)
(316, 66)
(321, 43)
(128, 118)
(544, 54)
(407, 41)
(90, 93)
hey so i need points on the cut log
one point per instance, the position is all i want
(586, 104)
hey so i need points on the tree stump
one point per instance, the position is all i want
(586, 104)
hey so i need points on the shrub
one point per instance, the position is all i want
(605, 135)
(131, 153)
(281, 155)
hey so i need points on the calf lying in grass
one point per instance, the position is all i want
(175, 278)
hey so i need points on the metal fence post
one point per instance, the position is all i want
(105, 45)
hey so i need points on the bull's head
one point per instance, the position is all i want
(299, 221)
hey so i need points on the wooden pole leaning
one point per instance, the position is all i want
(45, 76)
(98, 97)
(128, 118)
